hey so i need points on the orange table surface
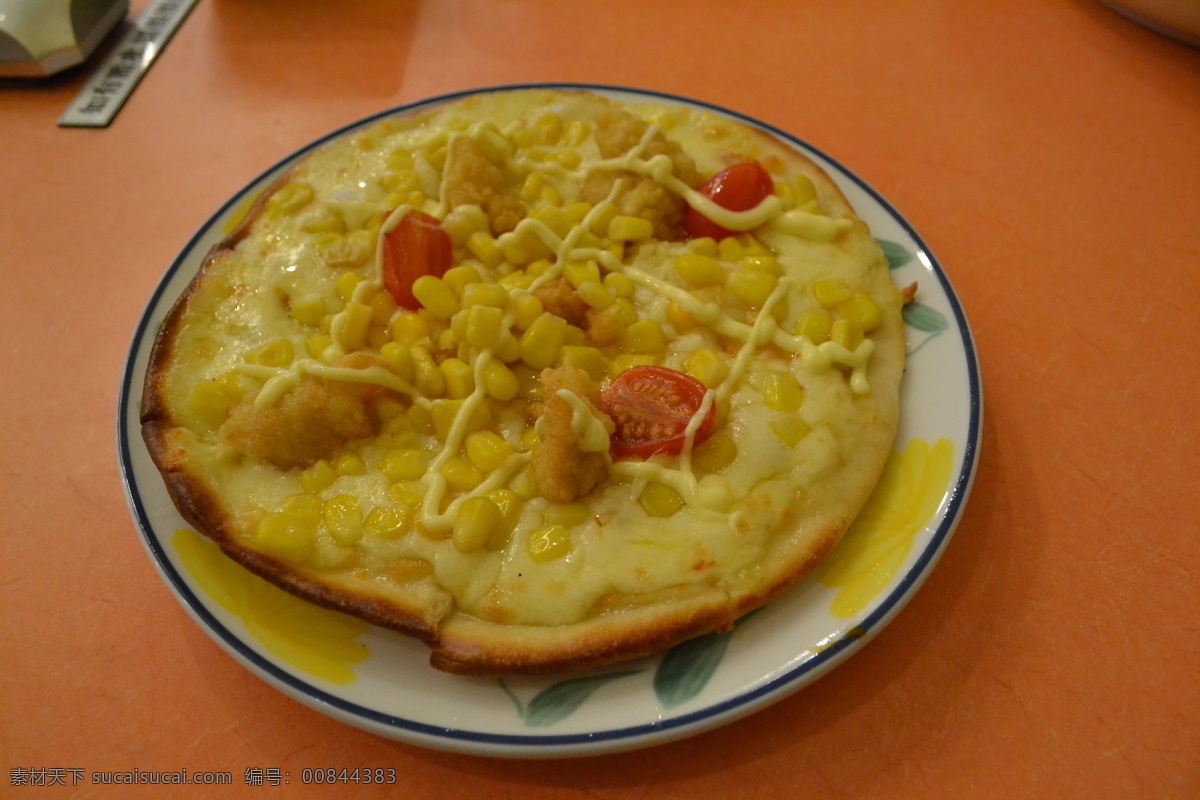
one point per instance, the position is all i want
(1049, 155)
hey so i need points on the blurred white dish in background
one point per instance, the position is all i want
(1179, 19)
(42, 37)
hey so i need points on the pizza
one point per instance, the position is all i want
(545, 379)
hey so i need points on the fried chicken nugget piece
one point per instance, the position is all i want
(564, 466)
(312, 420)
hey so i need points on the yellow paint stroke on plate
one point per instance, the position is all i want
(312, 639)
(875, 548)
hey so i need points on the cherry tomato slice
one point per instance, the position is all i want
(738, 188)
(416, 246)
(651, 407)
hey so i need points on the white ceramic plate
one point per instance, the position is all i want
(381, 682)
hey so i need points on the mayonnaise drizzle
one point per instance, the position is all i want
(592, 436)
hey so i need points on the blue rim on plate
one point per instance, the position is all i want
(951, 374)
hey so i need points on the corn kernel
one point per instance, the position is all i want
(458, 277)
(344, 518)
(410, 328)
(700, 270)
(386, 408)
(528, 381)
(508, 349)
(285, 536)
(484, 294)
(344, 252)
(486, 451)
(522, 248)
(444, 412)
(790, 430)
(752, 246)
(209, 401)
(764, 262)
(464, 221)
(475, 523)
(680, 317)
(317, 344)
(624, 361)
(847, 333)
(577, 211)
(499, 381)
(531, 188)
(278, 353)
(427, 378)
(400, 358)
(356, 324)
(538, 267)
(568, 158)
(643, 337)
(626, 313)
(460, 379)
(781, 392)
(660, 500)
(814, 325)
(629, 229)
(619, 284)
(548, 544)
(509, 504)
(730, 249)
(707, 366)
(317, 478)
(308, 310)
(322, 220)
(460, 475)
(382, 308)
(291, 198)
(714, 453)
(541, 342)
(577, 272)
(484, 326)
(705, 246)
(348, 463)
(787, 194)
(406, 494)
(484, 247)
(307, 507)
(387, 522)
(589, 359)
(553, 217)
(751, 286)
(529, 438)
(831, 294)
(419, 420)
(526, 309)
(576, 133)
(594, 294)
(806, 190)
(346, 283)
(862, 309)
(433, 293)
(404, 464)
(548, 128)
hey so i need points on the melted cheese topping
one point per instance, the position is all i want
(727, 516)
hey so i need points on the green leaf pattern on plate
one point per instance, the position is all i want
(897, 255)
(686, 669)
(561, 699)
